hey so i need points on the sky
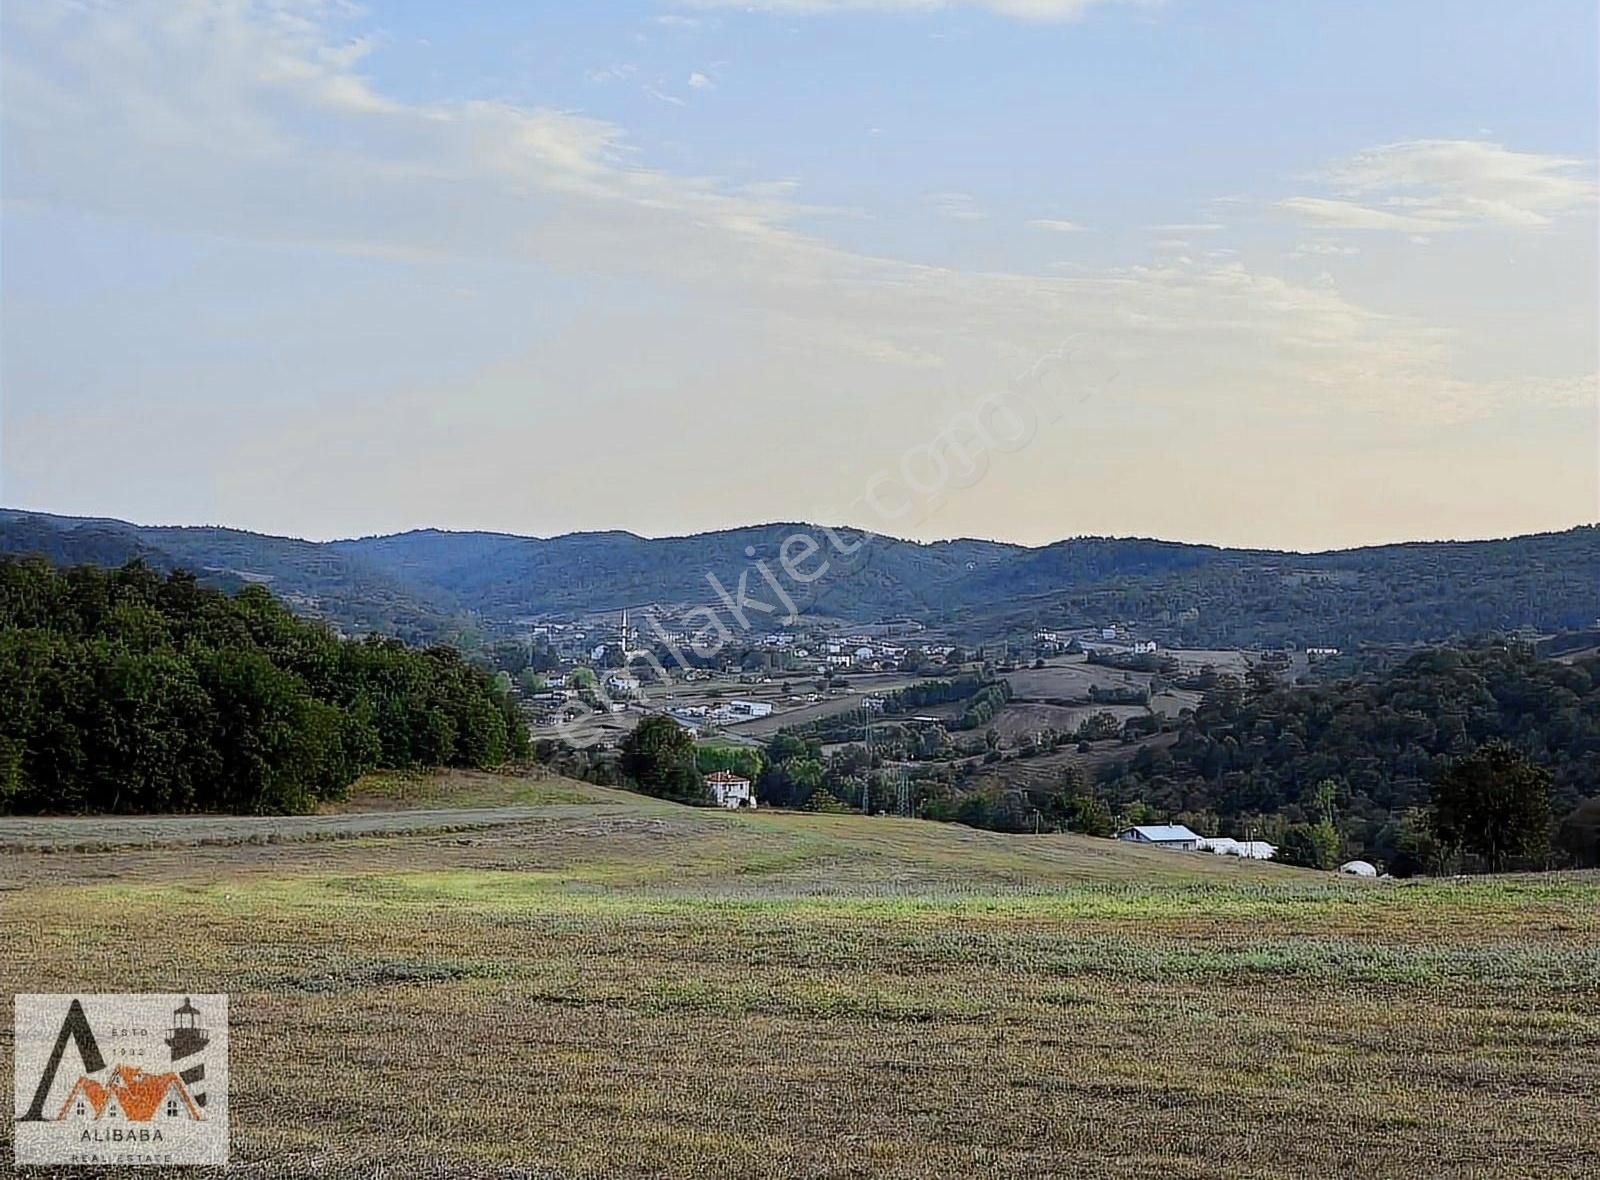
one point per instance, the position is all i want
(1297, 275)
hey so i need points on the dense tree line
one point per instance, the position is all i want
(129, 691)
(1369, 753)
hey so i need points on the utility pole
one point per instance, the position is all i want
(866, 779)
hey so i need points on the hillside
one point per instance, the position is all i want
(417, 583)
(710, 994)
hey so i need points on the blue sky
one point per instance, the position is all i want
(1300, 275)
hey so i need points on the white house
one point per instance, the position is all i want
(730, 790)
(1162, 835)
(1144, 647)
(1108, 632)
(749, 708)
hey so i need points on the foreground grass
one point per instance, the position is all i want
(657, 992)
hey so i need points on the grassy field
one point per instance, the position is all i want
(622, 987)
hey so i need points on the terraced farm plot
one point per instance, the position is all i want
(622, 988)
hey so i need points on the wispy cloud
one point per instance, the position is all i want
(616, 73)
(956, 206)
(1438, 185)
(1323, 250)
(1057, 225)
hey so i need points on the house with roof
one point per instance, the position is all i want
(730, 790)
(132, 1095)
(1162, 836)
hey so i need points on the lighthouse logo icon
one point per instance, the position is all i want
(188, 1040)
(130, 1079)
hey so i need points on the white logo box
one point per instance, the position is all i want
(122, 1079)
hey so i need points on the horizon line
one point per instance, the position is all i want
(800, 524)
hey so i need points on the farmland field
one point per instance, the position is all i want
(600, 985)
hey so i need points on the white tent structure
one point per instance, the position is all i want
(1358, 868)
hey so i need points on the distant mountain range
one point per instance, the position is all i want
(426, 583)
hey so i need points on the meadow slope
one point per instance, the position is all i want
(607, 986)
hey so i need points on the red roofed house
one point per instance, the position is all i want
(730, 790)
(133, 1095)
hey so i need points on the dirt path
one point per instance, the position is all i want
(92, 833)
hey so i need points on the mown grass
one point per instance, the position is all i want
(386, 789)
(665, 993)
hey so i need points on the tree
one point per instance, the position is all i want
(1311, 846)
(1416, 847)
(1579, 835)
(1323, 796)
(1495, 804)
(659, 757)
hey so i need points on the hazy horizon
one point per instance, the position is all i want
(1295, 278)
(763, 524)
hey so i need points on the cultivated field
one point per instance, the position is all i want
(606, 986)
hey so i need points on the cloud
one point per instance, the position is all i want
(1430, 186)
(1039, 11)
(1057, 225)
(1323, 250)
(1351, 215)
(956, 206)
(617, 73)
(698, 81)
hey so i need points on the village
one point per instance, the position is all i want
(589, 680)
(1073, 698)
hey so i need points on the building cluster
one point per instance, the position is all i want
(1180, 838)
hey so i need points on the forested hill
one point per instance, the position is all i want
(1255, 753)
(417, 584)
(127, 691)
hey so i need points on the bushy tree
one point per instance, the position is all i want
(1578, 836)
(1494, 803)
(1311, 846)
(658, 757)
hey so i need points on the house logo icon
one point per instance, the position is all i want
(120, 1080)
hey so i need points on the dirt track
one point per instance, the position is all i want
(178, 831)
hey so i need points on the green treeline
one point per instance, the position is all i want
(980, 699)
(127, 691)
(1366, 755)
